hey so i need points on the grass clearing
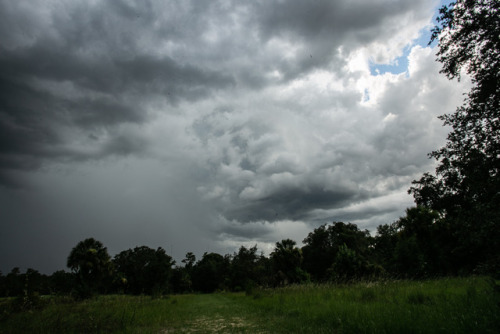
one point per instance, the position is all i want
(454, 305)
(434, 306)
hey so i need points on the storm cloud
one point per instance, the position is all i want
(204, 125)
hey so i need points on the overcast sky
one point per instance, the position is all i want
(206, 125)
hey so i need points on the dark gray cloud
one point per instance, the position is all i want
(198, 125)
(76, 67)
(290, 204)
(328, 30)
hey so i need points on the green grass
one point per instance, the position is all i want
(457, 305)
(435, 306)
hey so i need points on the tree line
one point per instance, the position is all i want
(453, 230)
(415, 246)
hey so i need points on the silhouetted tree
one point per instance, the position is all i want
(62, 282)
(385, 242)
(14, 282)
(287, 261)
(245, 268)
(431, 236)
(322, 245)
(318, 252)
(417, 244)
(3, 285)
(90, 262)
(264, 268)
(408, 258)
(465, 186)
(36, 283)
(189, 261)
(180, 280)
(181, 276)
(348, 265)
(211, 272)
(145, 270)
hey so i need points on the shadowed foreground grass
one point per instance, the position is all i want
(457, 305)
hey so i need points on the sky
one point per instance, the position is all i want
(202, 126)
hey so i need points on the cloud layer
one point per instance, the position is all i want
(208, 124)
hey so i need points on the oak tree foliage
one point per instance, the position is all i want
(465, 187)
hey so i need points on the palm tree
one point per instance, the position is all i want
(91, 263)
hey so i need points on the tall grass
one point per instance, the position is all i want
(454, 305)
(214, 313)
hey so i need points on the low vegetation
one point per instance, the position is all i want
(431, 306)
(447, 305)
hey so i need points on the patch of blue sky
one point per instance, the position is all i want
(400, 64)
(397, 66)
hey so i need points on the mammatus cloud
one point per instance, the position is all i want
(207, 125)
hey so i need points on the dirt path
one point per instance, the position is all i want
(216, 313)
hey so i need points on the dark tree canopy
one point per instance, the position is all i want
(244, 271)
(90, 261)
(322, 245)
(144, 269)
(287, 262)
(189, 261)
(466, 183)
(211, 272)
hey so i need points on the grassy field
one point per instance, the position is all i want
(455, 305)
